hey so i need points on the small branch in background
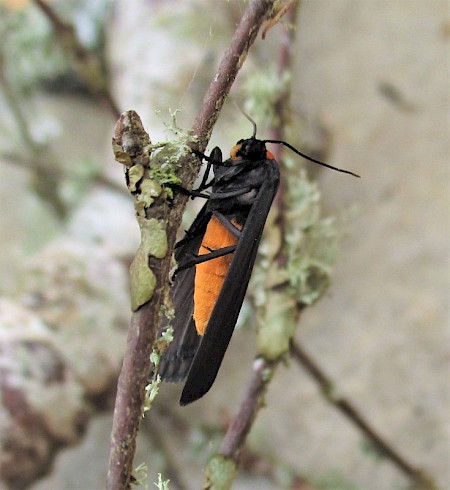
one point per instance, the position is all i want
(36, 165)
(173, 427)
(231, 63)
(222, 468)
(327, 387)
(46, 176)
(282, 108)
(44, 180)
(87, 64)
(144, 321)
(241, 424)
(14, 106)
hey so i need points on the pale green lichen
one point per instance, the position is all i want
(279, 325)
(135, 174)
(166, 156)
(162, 484)
(220, 473)
(151, 390)
(139, 476)
(310, 248)
(153, 244)
(160, 345)
(120, 155)
(262, 90)
(149, 190)
(165, 161)
(312, 242)
(142, 278)
(167, 336)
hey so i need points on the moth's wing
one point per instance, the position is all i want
(223, 319)
(177, 359)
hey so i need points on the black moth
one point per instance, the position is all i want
(216, 259)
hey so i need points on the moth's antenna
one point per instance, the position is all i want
(310, 158)
(255, 128)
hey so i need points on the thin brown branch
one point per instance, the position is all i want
(142, 331)
(222, 468)
(250, 461)
(231, 63)
(351, 412)
(133, 141)
(251, 402)
(129, 400)
(87, 64)
(38, 166)
(14, 103)
(44, 182)
(281, 109)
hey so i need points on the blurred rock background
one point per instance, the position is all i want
(374, 76)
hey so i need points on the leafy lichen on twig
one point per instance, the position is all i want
(147, 177)
(150, 171)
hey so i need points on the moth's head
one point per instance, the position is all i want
(250, 149)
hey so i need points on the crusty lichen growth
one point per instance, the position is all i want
(220, 473)
(160, 345)
(310, 248)
(300, 248)
(262, 91)
(151, 171)
(153, 244)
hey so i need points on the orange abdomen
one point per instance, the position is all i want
(209, 276)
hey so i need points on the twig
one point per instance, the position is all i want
(221, 469)
(231, 63)
(39, 167)
(136, 365)
(281, 109)
(37, 157)
(87, 64)
(240, 426)
(251, 461)
(44, 182)
(351, 412)
(13, 102)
